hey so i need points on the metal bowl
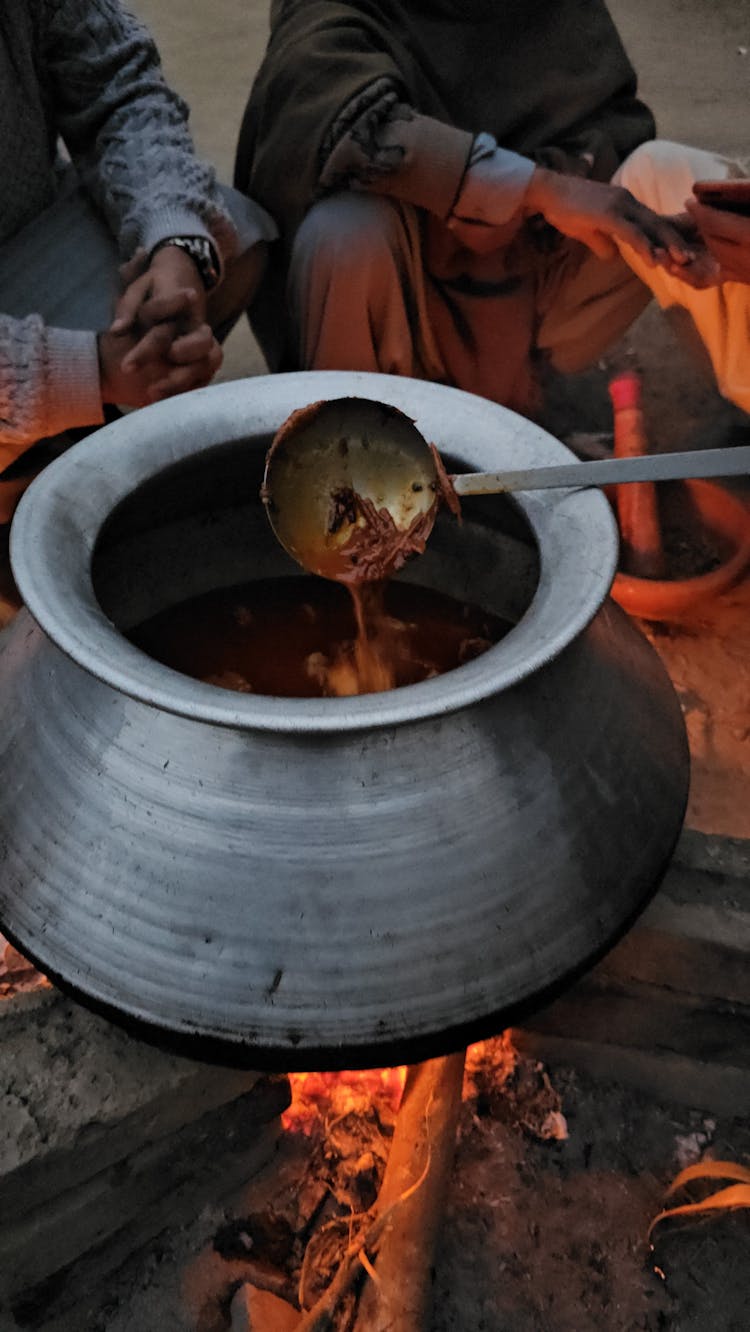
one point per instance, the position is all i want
(321, 882)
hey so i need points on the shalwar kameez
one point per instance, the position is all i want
(394, 142)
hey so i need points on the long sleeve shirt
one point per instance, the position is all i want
(86, 72)
(382, 144)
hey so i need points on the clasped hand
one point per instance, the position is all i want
(159, 342)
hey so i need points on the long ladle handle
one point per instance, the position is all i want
(610, 471)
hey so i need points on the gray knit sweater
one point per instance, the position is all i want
(87, 72)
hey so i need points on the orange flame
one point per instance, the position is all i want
(317, 1096)
(334, 1094)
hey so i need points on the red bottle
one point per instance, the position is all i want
(636, 503)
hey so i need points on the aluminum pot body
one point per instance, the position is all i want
(336, 881)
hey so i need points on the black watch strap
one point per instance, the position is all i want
(201, 252)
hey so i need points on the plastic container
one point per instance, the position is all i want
(706, 511)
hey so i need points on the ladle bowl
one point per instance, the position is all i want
(336, 465)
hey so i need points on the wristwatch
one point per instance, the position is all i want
(201, 252)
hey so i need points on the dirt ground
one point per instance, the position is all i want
(551, 1237)
(539, 1236)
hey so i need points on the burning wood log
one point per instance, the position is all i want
(412, 1197)
(401, 1239)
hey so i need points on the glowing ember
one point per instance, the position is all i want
(331, 1095)
(16, 973)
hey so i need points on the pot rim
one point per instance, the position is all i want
(61, 516)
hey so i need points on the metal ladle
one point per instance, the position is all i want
(352, 488)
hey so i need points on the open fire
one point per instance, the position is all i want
(17, 974)
(363, 1224)
(334, 1095)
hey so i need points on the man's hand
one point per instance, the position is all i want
(603, 217)
(133, 375)
(168, 287)
(159, 342)
(727, 236)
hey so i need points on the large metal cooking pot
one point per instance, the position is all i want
(334, 881)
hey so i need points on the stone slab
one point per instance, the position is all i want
(668, 1009)
(78, 1094)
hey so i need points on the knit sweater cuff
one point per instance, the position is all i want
(164, 223)
(72, 383)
